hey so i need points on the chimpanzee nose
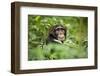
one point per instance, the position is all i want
(61, 33)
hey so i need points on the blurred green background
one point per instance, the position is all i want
(75, 45)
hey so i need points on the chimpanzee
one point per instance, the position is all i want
(57, 34)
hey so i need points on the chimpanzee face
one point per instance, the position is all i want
(60, 33)
(57, 32)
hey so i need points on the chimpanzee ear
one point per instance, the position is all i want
(65, 28)
(52, 32)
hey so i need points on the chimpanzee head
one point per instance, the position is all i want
(57, 32)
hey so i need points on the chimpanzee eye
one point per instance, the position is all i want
(62, 28)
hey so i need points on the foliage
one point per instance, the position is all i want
(75, 45)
